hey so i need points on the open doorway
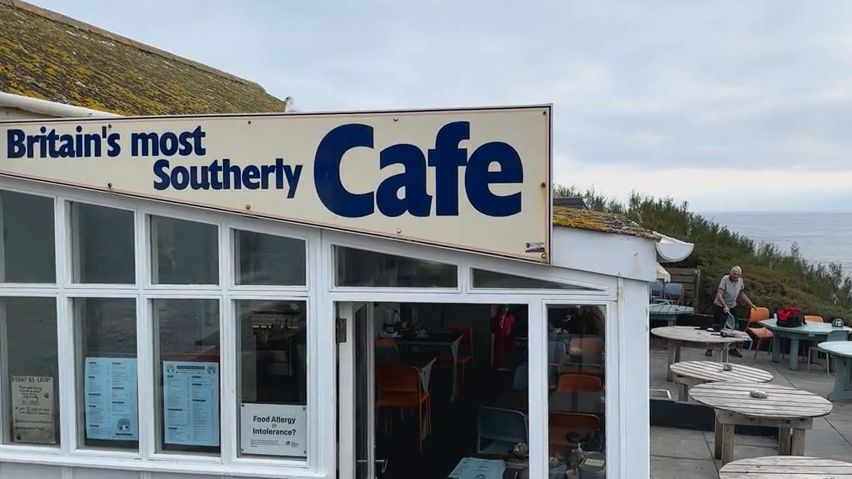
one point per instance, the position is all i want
(442, 390)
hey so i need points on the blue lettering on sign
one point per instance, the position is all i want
(227, 176)
(446, 158)
(49, 144)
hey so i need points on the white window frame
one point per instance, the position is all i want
(604, 293)
(65, 290)
(321, 294)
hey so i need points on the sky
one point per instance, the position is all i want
(729, 105)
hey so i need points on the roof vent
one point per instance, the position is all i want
(575, 202)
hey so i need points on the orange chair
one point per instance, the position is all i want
(814, 319)
(563, 423)
(386, 343)
(400, 387)
(465, 354)
(579, 382)
(584, 369)
(588, 347)
(759, 333)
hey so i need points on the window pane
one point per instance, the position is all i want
(104, 244)
(188, 367)
(493, 280)
(107, 377)
(32, 385)
(357, 267)
(465, 365)
(273, 378)
(576, 352)
(269, 260)
(184, 252)
(29, 247)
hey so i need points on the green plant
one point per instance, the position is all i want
(774, 278)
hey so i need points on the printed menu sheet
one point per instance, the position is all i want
(111, 399)
(191, 403)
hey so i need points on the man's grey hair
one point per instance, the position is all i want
(737, 269)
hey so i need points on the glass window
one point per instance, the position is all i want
(29, 244)
(463, 372)
(103, 244)
(273, 394)
(357, 267)
(107, 372)
(492, 280)
(576, 352)
(269, 260)
(184, 252)
(31, 388)
(188, 370)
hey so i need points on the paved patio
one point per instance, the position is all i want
(681, 453)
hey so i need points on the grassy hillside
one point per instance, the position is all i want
(773, 278)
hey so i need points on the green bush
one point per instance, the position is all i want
(774, 278)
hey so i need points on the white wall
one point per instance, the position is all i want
(610, 254)
(634, 382)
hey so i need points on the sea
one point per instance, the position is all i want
(821, 237)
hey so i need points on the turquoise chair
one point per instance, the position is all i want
(840, 335)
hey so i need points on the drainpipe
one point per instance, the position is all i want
(49, 108)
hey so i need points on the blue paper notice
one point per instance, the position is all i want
(111, 400)
(191, 403)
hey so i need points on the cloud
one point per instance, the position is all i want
(661, 89)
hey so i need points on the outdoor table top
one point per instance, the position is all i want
(786, 467)
(782, 402)
(809, 328)
(668, 308)
(711, 371)
(838, 348)
(689, 334)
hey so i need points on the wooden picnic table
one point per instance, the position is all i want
(842, 352)
(791, 410)
(786, 467)
(807, 332)
(691, 337)
(691, 373)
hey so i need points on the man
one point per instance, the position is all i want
(725, 303)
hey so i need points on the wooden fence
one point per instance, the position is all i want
(690, 279)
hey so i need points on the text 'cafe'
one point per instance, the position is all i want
(341, 295)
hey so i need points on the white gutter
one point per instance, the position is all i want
(49, 108)
(672, 250)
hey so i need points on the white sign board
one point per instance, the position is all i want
(273, 430)
(477, 180)
(32, 410)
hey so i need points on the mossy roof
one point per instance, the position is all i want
(52, 57)
(599, 221)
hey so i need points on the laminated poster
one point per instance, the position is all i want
(191, 403)
(32, 410)
(273, 430)
(111, 400)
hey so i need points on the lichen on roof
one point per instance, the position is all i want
(599, 221)
(52, 57)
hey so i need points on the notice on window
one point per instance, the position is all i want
(111, 400)
(273, 430)
(191, 403)
(32, 410)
